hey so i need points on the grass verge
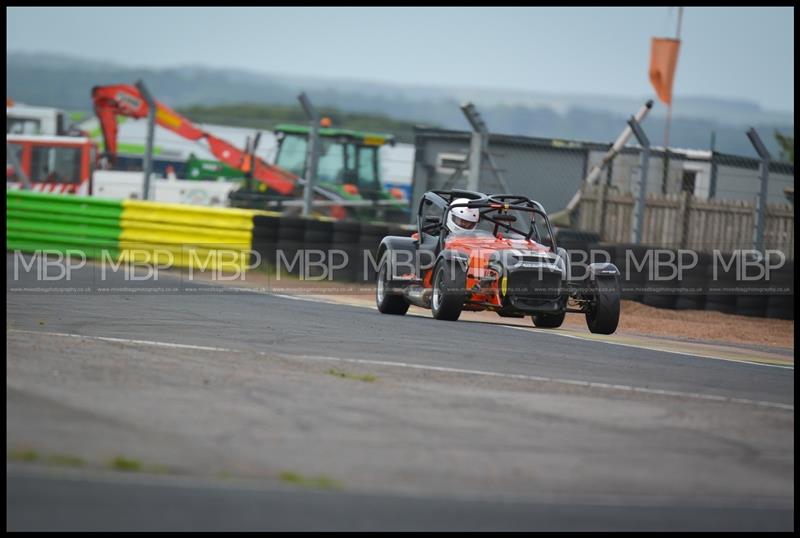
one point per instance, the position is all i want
(367, 378)
(316, 482)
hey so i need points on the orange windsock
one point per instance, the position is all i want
(663, 61)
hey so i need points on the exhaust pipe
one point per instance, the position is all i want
(418, 296)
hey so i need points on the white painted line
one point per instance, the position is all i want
(308, 299)
(587, 384)
(129, 341)
(557, 333)
(649, 348)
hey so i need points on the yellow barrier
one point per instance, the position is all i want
(200, 259)
(178, 235)
(214, 217)
(174, 234)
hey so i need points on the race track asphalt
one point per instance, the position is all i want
(212, 316)
(98, 504)
(582, 385)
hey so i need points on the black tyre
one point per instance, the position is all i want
(720, 293)
(780, 303)
(388, 303)
(694, 285)
(448, 291)
(603, 314)
(548, 321)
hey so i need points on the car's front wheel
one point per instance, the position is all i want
(388, 302)
(602, 317)
(448, 291)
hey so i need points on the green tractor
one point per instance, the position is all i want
(348, 170)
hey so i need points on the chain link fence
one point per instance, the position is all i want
(696, 199)
(704, 201)
(548, 170)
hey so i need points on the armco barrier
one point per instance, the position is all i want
(55, 223)
(222, 238)
(187, 235)
(168, 234)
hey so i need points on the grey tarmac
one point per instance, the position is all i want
(465, 425)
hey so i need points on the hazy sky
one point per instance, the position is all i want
(725, 52)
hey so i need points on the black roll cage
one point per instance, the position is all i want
(485, 203)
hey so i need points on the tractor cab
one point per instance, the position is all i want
(349, 161)
(348, 178)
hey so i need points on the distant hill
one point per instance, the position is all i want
(261, 116)
(66, 82)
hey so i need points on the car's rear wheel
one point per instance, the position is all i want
(448, 295)
(388, 302)
(548, 321)
(602, 317)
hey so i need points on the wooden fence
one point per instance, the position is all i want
(683, 221)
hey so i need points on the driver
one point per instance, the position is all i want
(462, 219)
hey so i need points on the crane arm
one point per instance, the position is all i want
(126, 100)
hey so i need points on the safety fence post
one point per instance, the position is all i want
(639, 200)
(761, 199)
(151, 123)
(312, 157)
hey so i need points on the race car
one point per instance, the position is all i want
(475, 252)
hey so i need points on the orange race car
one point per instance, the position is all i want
(474, 251)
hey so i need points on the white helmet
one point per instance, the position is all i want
(462, 219)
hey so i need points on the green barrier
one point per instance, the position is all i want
(59, 223)
(128, 229)
(61, 229)
(22, 215)
(189, 236)
(55, 239)
(93, 253)
(64, 209)
(87, 206)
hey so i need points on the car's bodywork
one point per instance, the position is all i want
(510, 265)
